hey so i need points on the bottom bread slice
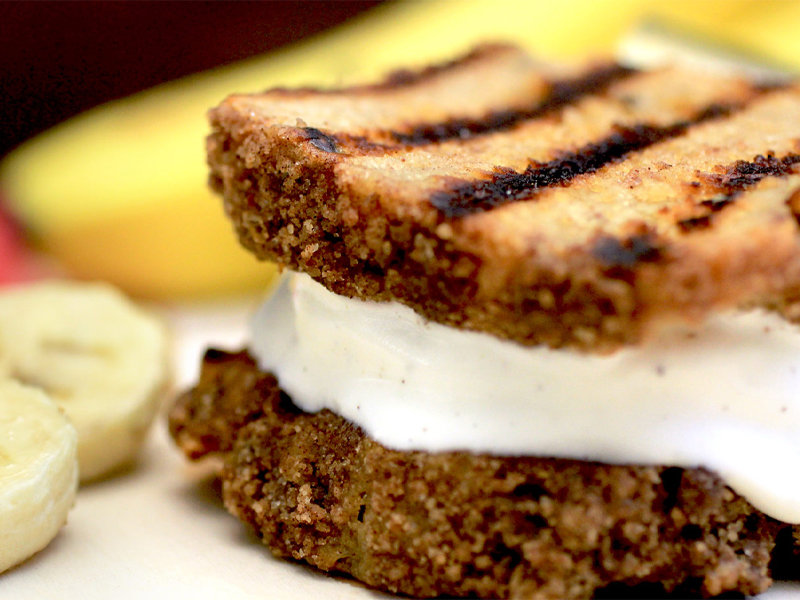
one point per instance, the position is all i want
(315, 488)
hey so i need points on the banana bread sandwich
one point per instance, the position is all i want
(536, 335)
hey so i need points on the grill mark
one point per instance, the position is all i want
(562, 93)
(733, 180)
(321, 141)
(620, 257)
(623, 254)
(744, 174)
(402, 78)
(508, 186)
(406, 78)
(712, 205)
(343, 143)
(694, 223)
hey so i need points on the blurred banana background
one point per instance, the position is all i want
(119, 193)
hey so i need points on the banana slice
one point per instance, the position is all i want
(38, 471)
(96, 355)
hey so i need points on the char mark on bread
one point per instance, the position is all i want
(509, 186)
(561, 93)
(730, 181)
(625, 254)
(401, 79)
(744, 174)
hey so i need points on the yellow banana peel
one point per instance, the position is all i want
(119, 193)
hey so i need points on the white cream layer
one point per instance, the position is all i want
(726, 398)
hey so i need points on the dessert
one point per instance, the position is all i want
(537, 340)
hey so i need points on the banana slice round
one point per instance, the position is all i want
(96, 354)
(38, 471)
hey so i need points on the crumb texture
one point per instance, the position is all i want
(568, 207)
(316, 489)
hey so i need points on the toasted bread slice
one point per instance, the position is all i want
(570, 207)
(316, 488)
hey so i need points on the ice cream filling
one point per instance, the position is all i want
(724, 396)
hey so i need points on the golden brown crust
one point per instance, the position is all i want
(578, 209)
(457, 524)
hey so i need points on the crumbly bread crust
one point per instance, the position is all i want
(316, 489)
(564, 207)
